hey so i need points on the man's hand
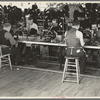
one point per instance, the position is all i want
(16, 45)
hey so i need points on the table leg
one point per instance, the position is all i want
(98, 58)
(60, 57)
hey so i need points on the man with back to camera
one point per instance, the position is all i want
(74, 41)
(7, 39)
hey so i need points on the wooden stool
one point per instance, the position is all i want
(4, 59)
(71, 70)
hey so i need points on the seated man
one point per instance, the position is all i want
(12, 47)
(74, 41)
(31, 27)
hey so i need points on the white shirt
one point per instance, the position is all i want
(34, 26)
(29, 27)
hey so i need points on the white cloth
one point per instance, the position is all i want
(34, 26)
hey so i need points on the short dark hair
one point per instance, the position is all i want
(76, 22)
(7, 25)
(30, 18)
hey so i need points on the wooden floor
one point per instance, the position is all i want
(33, 83)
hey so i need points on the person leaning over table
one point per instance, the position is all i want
(32, 30)
(32, 27)
(74, 44)
(12, 46)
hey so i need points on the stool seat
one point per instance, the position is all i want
(71, 70)
(72, 57)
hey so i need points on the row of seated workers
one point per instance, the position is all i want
(73, 39)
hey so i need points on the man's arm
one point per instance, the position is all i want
(10, 38)
(81, 39)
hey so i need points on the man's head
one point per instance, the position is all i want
(30, 20)
(7, 26)
(76, 24)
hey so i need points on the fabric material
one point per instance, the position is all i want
(10, 38)
(71, 39)
(6, 38)
(34, 26)
(33, 31)
(78, 35)
(3, 40)
(74, 52)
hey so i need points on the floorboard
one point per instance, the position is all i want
(35, 83)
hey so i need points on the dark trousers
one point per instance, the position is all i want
(15, 54)
(81, 55)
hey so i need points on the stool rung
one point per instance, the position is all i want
(70, 81)
(71, 65)
(71, 70)
(4, 61)
(4, 64)
(70, 73)
(71, 62)
(4, 58)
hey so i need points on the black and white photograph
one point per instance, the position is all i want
(49, 49)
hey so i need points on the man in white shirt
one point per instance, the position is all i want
(32, 27)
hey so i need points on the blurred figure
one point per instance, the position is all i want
(31, 27)
(74, 44)
(12, 46)
(98, 34)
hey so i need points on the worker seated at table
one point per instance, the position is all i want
(32, 27)
(12, 46)
(74, 44)
(53, 33)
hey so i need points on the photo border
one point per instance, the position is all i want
(51, 98)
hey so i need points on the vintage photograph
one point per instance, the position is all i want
(49, 49)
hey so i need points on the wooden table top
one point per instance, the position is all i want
(42, 43)
(29, 41)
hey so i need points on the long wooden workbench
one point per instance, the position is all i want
(29, 42)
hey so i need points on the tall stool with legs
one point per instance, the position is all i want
(71, 70)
